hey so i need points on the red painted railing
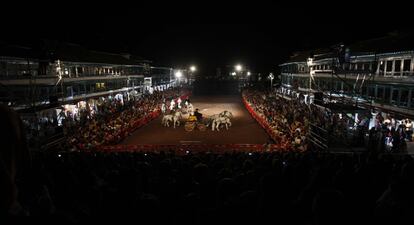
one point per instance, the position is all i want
(192, 148)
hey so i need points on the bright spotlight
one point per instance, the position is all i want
(248, 73)
(233, 73)
(178, 74)
(238, 67)
(193, 68)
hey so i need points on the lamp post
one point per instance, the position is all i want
(309, 63)
(238, 67)
(271, 77)
(192, 70)
(239, 70)
(178, 74)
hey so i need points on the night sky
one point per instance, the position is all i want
(207, 35)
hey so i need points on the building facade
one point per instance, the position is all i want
(70, 73)
(377, 78)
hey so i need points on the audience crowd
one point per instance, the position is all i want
(105, 123)
(114, 120)
(289, 119)
(287, 188)
(296, 122)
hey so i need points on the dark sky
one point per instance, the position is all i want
(206, 35)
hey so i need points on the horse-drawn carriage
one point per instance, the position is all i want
(193, 123)
(215, 121)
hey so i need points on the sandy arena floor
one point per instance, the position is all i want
(244, 129)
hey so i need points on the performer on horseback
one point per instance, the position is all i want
(198, 115)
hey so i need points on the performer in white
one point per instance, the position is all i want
(172, 104)
(179, 102)
(163, 108)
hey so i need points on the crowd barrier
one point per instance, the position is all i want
(193, 148)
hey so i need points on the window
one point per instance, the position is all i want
(389, 66)
(338, 85)
(404, 98)
(69, 91)
(82, 89)
(80, 70)
(363, 91)
(346, 89)
(387, 94)
(397, 66)
(371, 92)
(100, 86)
(406, 67)
(395, 93)
(359, 66)
(380, 92)
(366, 66)
(412, 99)
(75, 90)
(44, 92)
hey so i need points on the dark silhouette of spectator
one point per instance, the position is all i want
(395, 205)
(14, 160)
(329, 208)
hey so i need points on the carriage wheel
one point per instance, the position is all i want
(189, 126)
(201, 127)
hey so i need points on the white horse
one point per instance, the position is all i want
(220, 120)
(175, 119)
(227, 114)
(166, 119)
(212, 118)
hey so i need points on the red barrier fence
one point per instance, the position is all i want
(193, 148)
